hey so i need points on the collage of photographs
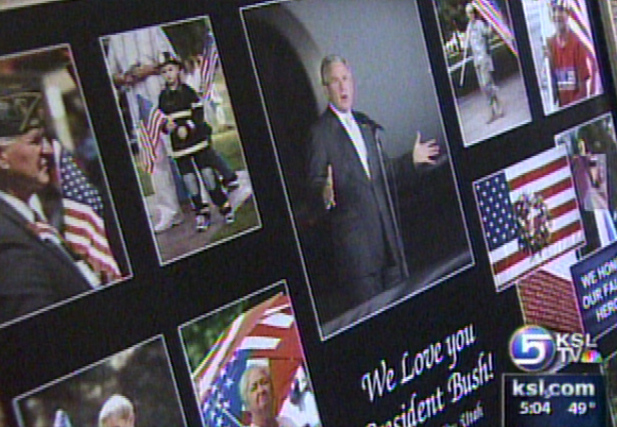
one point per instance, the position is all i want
(229, 213)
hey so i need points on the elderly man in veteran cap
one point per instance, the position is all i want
(36, 268)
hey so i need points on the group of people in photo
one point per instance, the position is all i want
(153, 82)
(361, 222)
(481, 33)
(55, 208)
(256, 393)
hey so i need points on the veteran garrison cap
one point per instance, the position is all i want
(19, 111)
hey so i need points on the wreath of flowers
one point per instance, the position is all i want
(533, 222)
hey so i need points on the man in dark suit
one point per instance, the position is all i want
(36, 269)
(348, 180)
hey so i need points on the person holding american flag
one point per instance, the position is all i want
(477, 37)
(132, 59)
(191, 142)
(256, 392)
(37, 266)
(568, 58)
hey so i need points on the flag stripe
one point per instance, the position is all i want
(564, 186)
(151, 121)
(146, 150)
(259, 343)
(84, 228)
(265, 334)
(546, 175)
(98, 260)
(217, 356)
(81, 237)
(563, 209)
(496, 20)
(534, 162)
(280, 320)
(578, 23)
(277, 309)
(534, 175)
(568, 230)
(85, 233)
(548, 187)
(85, 237)
(84, 214)
(220, 354)
(513, 246)
(209, 65)
(550, 252)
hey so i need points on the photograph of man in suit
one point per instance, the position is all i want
(348, 179)
(36, 268)
(372, 235)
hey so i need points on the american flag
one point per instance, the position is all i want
(61, 419)
(265, 334)
(223, 407)
(209, 64)
(546, 175)
(579, 24)
(151, 120)
(84, 229)
(489, 9)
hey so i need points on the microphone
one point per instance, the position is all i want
(363, 119)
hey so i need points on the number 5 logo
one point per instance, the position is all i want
(532, 348)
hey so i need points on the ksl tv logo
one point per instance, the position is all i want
(533, 348)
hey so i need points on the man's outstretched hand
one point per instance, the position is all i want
(425, 152)
(328, 191)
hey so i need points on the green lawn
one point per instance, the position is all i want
(246, 218)
(228, 145)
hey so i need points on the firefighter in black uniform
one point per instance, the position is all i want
(191, 142)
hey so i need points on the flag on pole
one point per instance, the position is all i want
(529, 214)
(209, 63)
(151, 120)
(490, 11)
(265, 334)
(223, 407)
(84, 228)
(61, 419)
